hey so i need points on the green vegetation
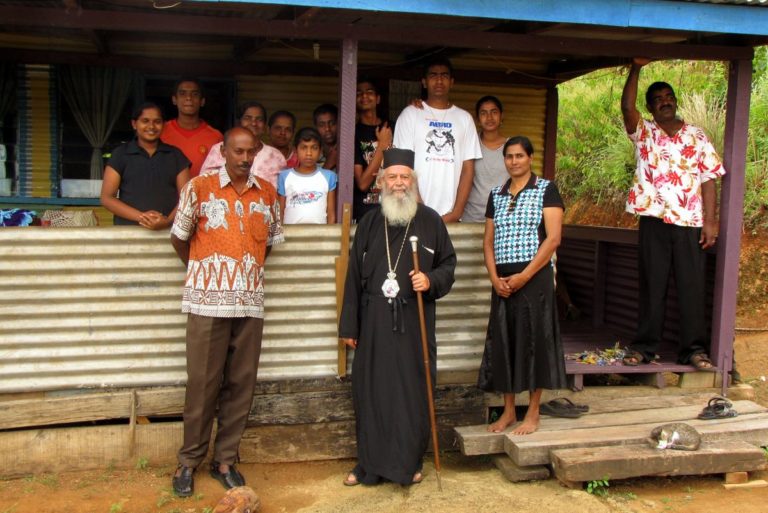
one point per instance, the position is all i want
(142, 463)
(598, 487)
(595, 159)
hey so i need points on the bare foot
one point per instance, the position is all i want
(530, 425)
(506, 420)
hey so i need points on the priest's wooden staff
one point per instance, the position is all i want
(425, 349)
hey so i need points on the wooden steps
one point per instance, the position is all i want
(618, 430)
(588, 464)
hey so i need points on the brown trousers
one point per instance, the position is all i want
(222, 360)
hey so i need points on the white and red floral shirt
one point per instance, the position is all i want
(670, 171)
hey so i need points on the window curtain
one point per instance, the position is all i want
(7, 91)
(96, 97)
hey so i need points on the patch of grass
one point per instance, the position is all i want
(598, 487)
(164, 499)
(10, 509)
(630, 496)
(198, 496)
(142, 463)
(116, 507)
(208, 509)
(49, 480)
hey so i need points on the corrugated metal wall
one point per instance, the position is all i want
(299, 95)
(524, 107)
(99, 307)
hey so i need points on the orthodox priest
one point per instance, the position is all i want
(380, 320)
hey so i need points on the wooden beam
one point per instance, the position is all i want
(642, 460)
(244, 49)
(211, 68)
(346, 124)
(731, 215)
(550, 132)
(572, 68)
(100, 41)
(191, 24)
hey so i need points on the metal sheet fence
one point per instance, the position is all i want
(100, 307)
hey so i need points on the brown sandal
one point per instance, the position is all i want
(632, 358)
(702, 362)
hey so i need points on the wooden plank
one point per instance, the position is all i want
(64, 410)
(516, 474)
(90, 406)
(336, 405)
(535, 449)
(476, 440)
(323, 441)
(36, 451)
(757, 483)
(587, 464)
(736, 477)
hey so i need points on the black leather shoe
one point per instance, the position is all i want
(230, 479)
(184, 483)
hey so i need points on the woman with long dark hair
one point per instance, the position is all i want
(522, 230)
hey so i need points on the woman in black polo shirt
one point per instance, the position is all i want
(143, 178)
(522, 230)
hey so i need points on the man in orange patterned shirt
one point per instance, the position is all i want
(674, 194)
(225, 226)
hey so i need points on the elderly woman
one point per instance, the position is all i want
(268, 161)
(522, 230)
(143, 178)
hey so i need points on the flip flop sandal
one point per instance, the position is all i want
(558, 410)
(718, 408)
(700, 361)
(418, 477)
(567, 403)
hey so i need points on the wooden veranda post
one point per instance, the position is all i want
(731, 215)
(346, 123)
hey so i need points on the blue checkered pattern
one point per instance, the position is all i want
(516, 233)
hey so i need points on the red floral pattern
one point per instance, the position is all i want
(670, 171)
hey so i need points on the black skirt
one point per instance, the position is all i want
(523, 350)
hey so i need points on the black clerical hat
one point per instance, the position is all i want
(398, 157)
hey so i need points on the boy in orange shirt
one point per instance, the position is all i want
(193, 136)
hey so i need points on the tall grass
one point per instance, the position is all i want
(595, 159)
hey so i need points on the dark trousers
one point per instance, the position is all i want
(665, 247)
(222, 360)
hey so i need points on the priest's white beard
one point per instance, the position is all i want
(398, 211)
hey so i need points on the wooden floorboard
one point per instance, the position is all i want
(536, 451)
(587, 464)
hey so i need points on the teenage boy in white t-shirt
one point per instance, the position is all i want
(444, 138)
(307, 192)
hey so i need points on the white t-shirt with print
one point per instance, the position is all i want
(442, 140)
(306, 195)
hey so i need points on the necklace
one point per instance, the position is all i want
(445, 113)
(390, 288)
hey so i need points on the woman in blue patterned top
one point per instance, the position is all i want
(522, 230)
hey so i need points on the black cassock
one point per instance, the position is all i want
(388, 384)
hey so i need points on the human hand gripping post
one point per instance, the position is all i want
(425, 350)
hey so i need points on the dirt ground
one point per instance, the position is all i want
(469, 484)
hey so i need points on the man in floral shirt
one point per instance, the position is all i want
(673, 192)
(225, 226)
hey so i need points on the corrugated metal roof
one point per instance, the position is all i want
(100, 307)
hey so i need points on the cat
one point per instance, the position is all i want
(675, 435)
